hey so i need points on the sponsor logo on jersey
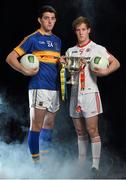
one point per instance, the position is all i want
(41, 42)
(74, 52)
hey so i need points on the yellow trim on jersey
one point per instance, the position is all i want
(42, 32)
(47, 56)
(48, 60)
(46, 53)
(38, 30)
(19, 50)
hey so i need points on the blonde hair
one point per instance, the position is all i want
(79, 21)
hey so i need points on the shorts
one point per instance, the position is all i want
(44, 99)
(90, 105)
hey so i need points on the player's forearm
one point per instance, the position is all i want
(13, 62)
(114, 65)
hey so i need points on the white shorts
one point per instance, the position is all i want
(90, 105)
(44, 99)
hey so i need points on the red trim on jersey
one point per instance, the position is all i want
(84, 44)
(82, 78)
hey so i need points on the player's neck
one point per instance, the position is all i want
(43, 31)
(83, 43)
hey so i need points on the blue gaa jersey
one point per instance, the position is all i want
(47, 49)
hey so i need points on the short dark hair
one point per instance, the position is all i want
(46, 8)
(79, 21)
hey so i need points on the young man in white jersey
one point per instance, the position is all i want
(44, 82)
(85, 102)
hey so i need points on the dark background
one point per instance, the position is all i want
(19, 19)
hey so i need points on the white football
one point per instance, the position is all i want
(29, 61)
(99, 62)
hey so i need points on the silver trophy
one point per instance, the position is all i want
(73, 64)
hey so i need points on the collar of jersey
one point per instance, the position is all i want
(43, 33)
(84, 44)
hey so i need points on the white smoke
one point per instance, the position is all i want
(62, 163)
(15, 163)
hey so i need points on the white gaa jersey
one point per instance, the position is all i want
(88, 51)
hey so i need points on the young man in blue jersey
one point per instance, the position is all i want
(44, 82)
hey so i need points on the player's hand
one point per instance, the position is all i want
(82, 62)
(62, 59)
(29, 72)
(100, 72)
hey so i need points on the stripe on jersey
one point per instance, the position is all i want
(47, 56)
(47, 53)
(19, 50)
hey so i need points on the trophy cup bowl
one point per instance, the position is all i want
(73, 64)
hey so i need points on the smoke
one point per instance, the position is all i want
(95, 10)
(61, 163)
(15, 162)
(13, 120)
